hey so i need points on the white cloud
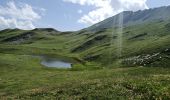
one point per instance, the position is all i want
(13, 23)
(18, 16)
(107, 8)
(79, 11)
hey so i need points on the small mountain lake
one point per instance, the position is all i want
(54, 62)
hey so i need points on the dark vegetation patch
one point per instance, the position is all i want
(101, 31)
(7, 50)
(48, 31)
(5, 31)
(9, 30)
(81, 32)
(92, 34)
(92, 57)
(138, 36)
(45, 29)
(64, 33)
(105, 45)
(2, 37)
(167, 26)
(19, 38)
(89, 43)
(128, 32)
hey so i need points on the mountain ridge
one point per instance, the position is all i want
(133, 18)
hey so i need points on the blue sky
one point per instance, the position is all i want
(65, 15)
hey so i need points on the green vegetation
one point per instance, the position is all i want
(142, 71)
(22, 77)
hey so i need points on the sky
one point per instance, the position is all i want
(66, 15)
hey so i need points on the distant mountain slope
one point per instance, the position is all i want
(18, 36)
(133, 18)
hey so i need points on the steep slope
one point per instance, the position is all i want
(146, 39)
(134, 18)
(143, 45)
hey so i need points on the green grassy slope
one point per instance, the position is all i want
(142, 40)
(102, 46)
(22, 77)
(98, 73)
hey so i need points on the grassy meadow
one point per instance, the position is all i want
(97, 72)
